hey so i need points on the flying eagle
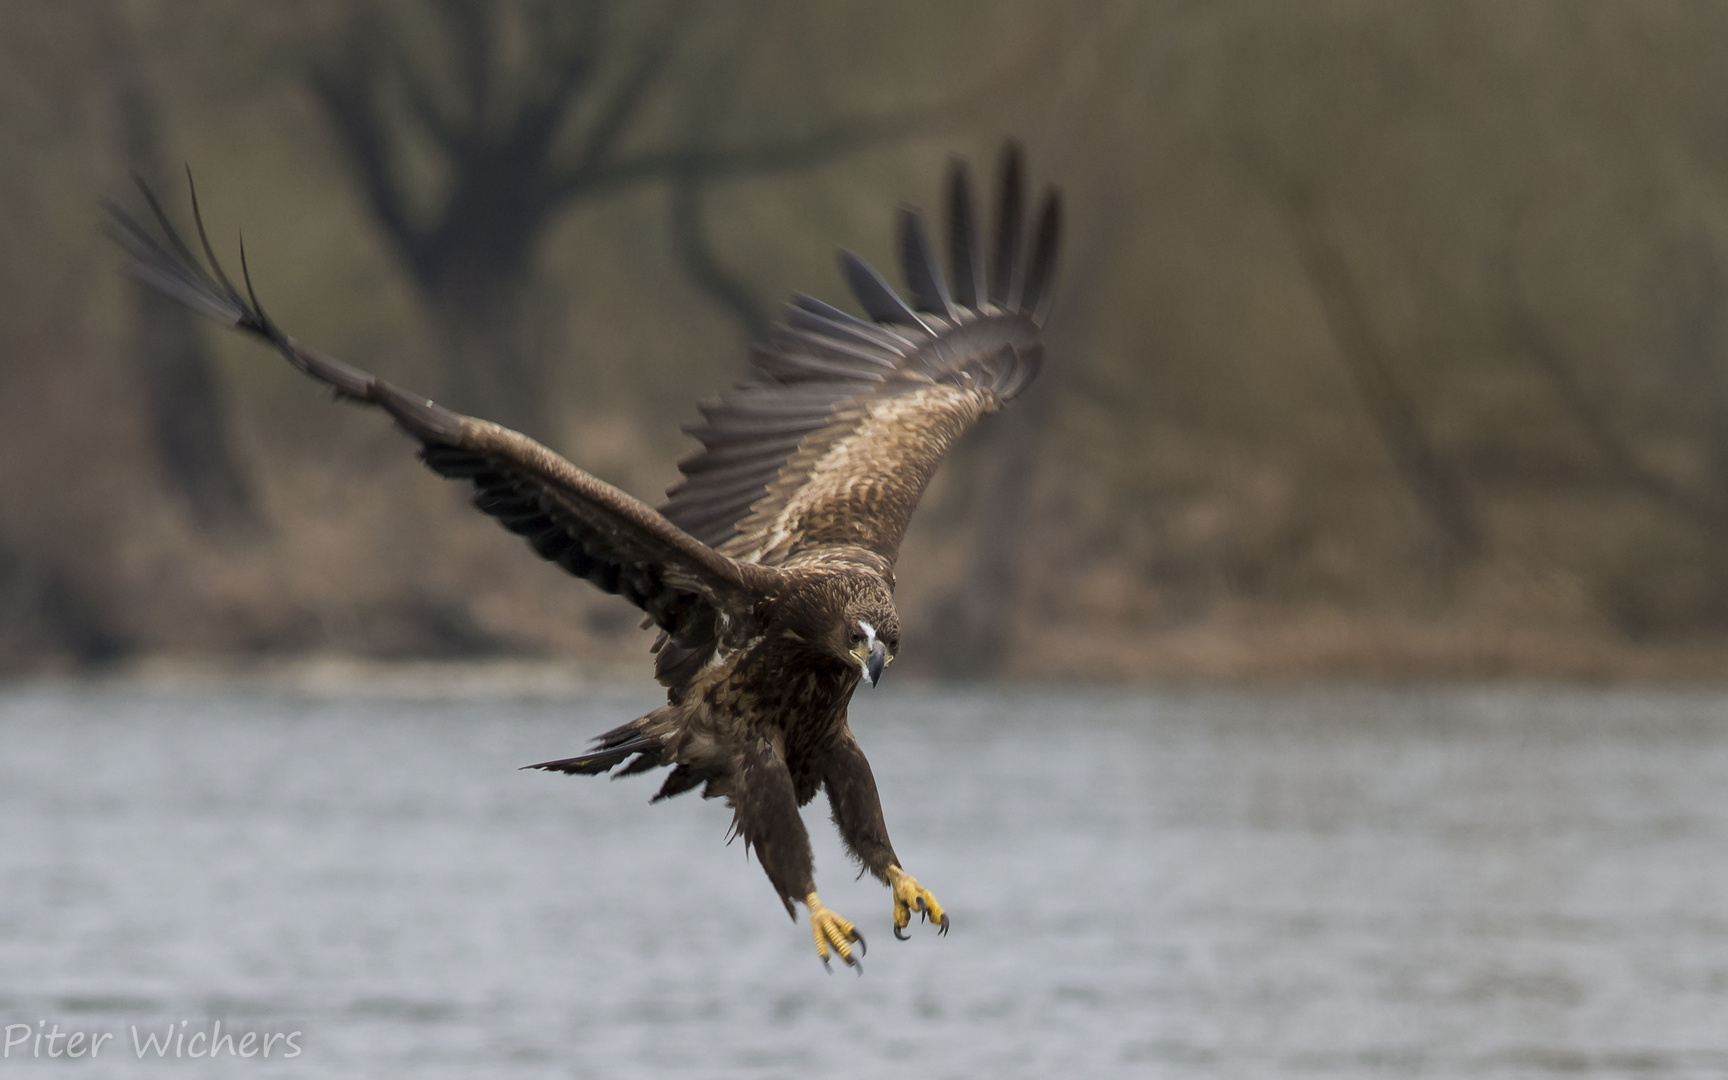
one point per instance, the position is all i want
(769, 570)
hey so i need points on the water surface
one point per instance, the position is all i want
(1506, 882)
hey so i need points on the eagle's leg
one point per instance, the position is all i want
(858, 815)
(765, 813)
(909, 896)
(833, 932)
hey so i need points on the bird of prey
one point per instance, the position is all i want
(769, 570)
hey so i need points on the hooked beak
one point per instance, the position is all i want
(874, 662)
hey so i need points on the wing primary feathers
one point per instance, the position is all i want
(731, 483)
(879, 299)
(810, 400)
(1036, 295)
(789, 368)
(887, 335)
(1004, 283)
(740, 455)
(966, 259)
(158, 268)
(185, 277)
(178, 272)
(215, 266)
(923, 276)
(830, 312)
(720, 425)
(569, 517)
(894, 346)
(846, 350)
(186, 257)
(849, 415)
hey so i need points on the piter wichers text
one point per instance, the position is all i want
(171, 1041)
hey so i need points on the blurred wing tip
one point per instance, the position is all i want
(1046, 245)
(877, 297)
(1006, 272)
(963, 255)
(919, 266)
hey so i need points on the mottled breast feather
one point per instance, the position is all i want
(850, 418)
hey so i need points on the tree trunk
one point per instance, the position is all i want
(493, 369)
(970, 632)
(972, 628)
(1531, 335)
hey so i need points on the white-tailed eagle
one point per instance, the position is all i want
(769, 570)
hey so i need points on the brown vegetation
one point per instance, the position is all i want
(1390, 338)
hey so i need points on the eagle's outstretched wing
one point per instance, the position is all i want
(835, 445)
(570, 517)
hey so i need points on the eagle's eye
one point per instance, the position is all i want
(855, 637)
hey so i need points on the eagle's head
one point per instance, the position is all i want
(869, 632)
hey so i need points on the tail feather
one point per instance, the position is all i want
(681, 779)
(650, 758)
(611, 750)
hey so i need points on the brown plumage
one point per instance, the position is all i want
(769, 571)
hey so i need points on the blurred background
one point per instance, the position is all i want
(1387, 368)
(1389, 338)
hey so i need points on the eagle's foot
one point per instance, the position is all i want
(909, 896)
(833, 932)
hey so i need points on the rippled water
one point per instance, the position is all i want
(1351, 882)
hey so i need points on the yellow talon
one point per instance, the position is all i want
(832, 931)
(909, 896)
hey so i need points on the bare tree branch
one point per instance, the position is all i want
(690, 242)
(1530, 334)
(422, 102)
(770, 156)
(507, 178)
(473, 45)
(1697, 291)
(346, 91)
(632, 91)
(1366, 356)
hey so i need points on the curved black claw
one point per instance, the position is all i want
(863, 946)
(826, 966)
(899, 935)
(944, 929)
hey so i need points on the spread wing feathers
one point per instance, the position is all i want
(570, 517)
(834, 445)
